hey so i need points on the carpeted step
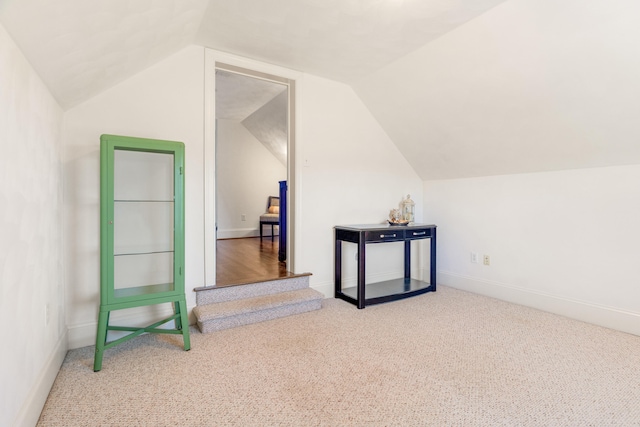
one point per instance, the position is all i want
(229, 314)
(221, 294)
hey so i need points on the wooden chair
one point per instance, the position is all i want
(271, 216)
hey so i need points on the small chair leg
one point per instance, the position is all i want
(272, 232)
(261, 232)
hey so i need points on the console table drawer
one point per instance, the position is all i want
(384, 236)
(418, 233)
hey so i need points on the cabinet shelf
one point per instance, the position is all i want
(149, 290)
(143, 252)
(143, 201)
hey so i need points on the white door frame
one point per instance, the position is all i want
(218, 60)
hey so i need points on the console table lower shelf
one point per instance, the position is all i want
(390, 290)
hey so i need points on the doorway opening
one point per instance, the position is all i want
(252, 158)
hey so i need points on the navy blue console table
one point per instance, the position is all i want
(390, 290)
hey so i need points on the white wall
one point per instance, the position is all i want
(162, 102)
(354, 174)
(565, 242)
(350, 172)
(529, 86)
(32, 309)
(247, 174)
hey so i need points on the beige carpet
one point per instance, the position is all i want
(449, 358)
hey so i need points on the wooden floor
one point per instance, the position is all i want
(248, 260)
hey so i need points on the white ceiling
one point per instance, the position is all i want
(82, 47)
(523, 86)
(530, 86)
(260, 105)
(338, 39)
(269, 126)
(238, 96)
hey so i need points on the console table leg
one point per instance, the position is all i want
(337, 268)
(361, 271)
(407, 264)
(432, 266)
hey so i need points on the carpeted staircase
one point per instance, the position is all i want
(231, 306)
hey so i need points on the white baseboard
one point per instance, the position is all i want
(609, 317)
(325, 288)
(33, 404)
(84, 335)
(238, 233)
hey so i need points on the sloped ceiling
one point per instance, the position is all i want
(269, 126)
(530, 86)
(522, 86)
(238, 96)
(260, 105)
(82, 47)
(339, 39)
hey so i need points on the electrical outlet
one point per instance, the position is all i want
(243, 217)
(474, 257)
(486, 260)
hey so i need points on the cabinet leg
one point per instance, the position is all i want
(178, 320)
(101, 339)
(182, 323)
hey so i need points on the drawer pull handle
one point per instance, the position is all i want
(382, 236)
(422, 233)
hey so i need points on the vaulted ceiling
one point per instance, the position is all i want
(81, 47)
(260, 105)
(463, 88)
(529, 86)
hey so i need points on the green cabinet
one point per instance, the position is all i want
(141, 235)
